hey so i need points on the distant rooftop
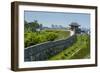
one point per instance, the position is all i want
(74, 24)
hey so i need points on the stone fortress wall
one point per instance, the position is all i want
(44, 50)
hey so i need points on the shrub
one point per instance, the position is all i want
(28, 40)
(39, 39)
(51, 36)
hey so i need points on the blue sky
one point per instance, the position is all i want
(58, 18)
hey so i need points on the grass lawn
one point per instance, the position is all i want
(60, 33)
(78, 50)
